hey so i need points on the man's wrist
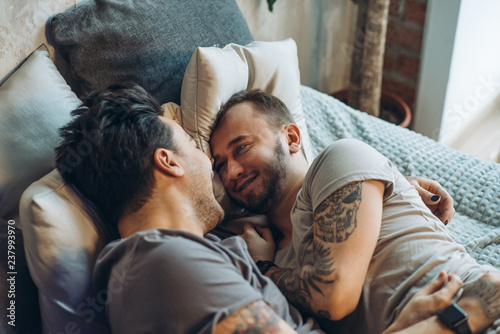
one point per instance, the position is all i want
(455, 318)
(264, 266)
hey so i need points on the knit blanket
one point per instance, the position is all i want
(474, 184)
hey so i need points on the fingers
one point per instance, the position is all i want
(446, 199)
(444, 286)
(447, 215)
(447, 209)
(427, 189)
(434, 285)
(453, 284)
(440, 292)
(428, 197)
(433, 194)
(249, 230)
(444, 296)
(265, 233)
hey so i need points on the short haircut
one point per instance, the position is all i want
(107, 150)
(272, 108)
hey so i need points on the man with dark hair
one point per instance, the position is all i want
(154, 185)
(355, 240)
(110, 164)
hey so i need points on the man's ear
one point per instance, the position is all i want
(168, 163)
(293, 137)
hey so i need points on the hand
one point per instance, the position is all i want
(435, 296)
(259, 241)
(441, 207)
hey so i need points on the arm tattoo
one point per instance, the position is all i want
(297, 286)
(334, 221)
(256, 317)
(335, 218)
(488, 295)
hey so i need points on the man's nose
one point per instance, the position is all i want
(234, 170)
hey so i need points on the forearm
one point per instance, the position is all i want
(288, 281)
(300, 288)
(316, 287)
(431, 325)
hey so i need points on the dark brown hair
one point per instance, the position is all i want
(271, 107)
(107, 150)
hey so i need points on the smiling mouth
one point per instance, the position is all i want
(246, 183)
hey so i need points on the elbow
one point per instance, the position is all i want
(341, 310)
(337, 304)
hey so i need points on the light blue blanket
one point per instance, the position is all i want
(474, 184)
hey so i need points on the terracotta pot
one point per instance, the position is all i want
(393, 108)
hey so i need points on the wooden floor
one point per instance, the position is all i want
(482, 138)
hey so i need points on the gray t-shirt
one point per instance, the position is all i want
(412, 247)
(170, 281)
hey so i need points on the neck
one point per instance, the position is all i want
(280, 216)
(175, 214)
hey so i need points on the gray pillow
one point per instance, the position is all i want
(35, 102)
(146, 41)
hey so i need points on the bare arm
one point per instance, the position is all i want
(346, 229)
(256, 317)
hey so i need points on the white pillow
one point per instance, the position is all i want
(34, 102)
(63, 235)
(213, 75)
(172, 111)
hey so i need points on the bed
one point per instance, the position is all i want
(62, 232)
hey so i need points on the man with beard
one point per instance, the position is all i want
(355, 240)
(152, 183)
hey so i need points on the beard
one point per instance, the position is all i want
(273, 179)
(206, 208)
(208, 211)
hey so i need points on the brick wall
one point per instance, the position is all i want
(403, 48)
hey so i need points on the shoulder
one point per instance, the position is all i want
(349, 155)
(349, 148)
(343, 162)
(159, 266)
(155, 251)
(156, 243)
(344, 157)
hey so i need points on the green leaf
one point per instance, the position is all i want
(270, 4)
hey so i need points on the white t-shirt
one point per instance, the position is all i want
(412, 247)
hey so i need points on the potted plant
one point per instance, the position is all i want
(391, 107)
